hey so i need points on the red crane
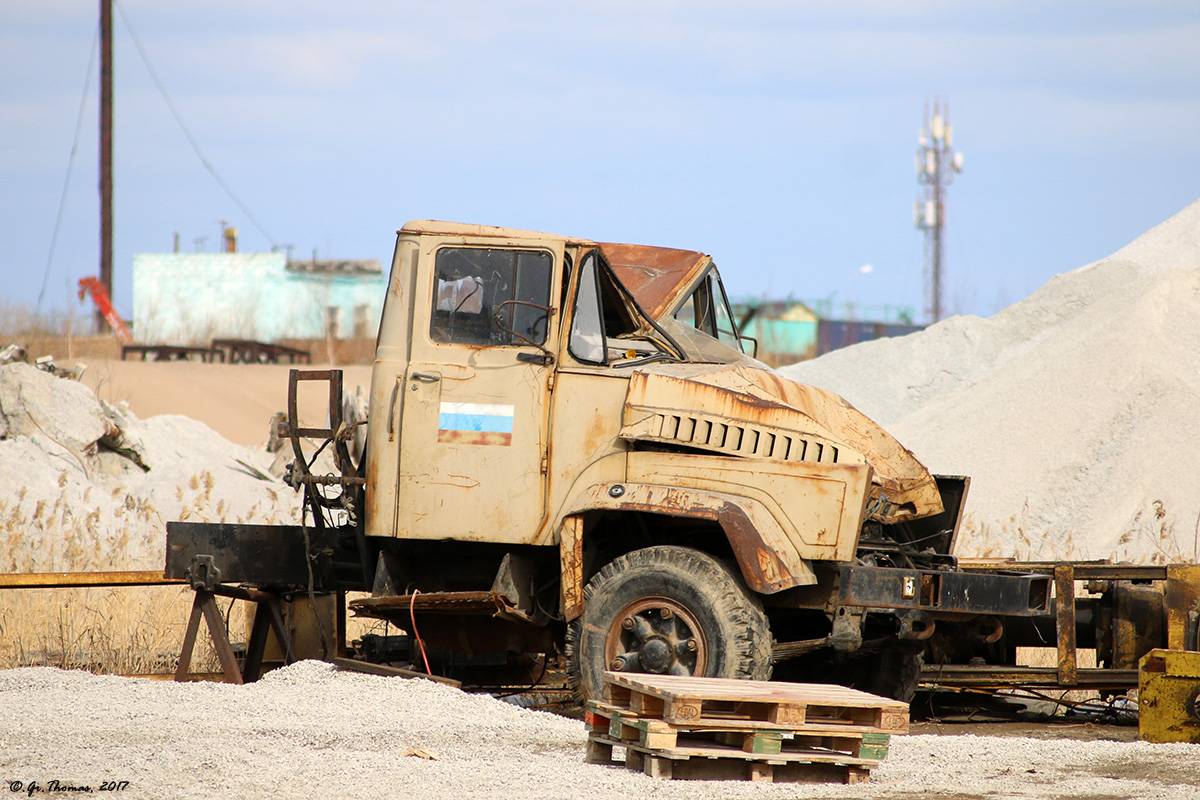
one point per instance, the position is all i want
(104, 305)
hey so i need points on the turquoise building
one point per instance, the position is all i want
(788, 331)
(192, 298)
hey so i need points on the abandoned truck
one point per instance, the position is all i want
(573, 461)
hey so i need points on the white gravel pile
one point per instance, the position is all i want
(309, 731)
(1073, 411)
(90, 486)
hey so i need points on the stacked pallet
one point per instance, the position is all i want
(720, 729)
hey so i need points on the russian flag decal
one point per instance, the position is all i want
(475, 423)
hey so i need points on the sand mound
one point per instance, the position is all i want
(1073, 411)
(94, 485)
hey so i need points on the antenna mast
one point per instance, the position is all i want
(936, 165)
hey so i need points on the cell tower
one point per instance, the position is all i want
(936, 164)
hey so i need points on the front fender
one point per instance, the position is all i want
(768, 560)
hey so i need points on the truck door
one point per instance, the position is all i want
(473, 427)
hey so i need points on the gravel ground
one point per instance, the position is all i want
(310, 731)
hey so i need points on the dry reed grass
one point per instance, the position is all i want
(130, 630)
(19, 320)
(120, 630)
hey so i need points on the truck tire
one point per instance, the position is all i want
(667, 610)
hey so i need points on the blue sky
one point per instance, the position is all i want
(776, 136)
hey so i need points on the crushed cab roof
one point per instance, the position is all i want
(656, 276)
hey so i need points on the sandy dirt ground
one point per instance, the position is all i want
(235, 400)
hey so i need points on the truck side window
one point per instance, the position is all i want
(587, 323)
(472, 290)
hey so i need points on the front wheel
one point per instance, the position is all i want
(669, 611)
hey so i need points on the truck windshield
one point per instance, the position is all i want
(707, 310)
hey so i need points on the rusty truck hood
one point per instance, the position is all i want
(752, 412)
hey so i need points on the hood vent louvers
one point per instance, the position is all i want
(738, 439)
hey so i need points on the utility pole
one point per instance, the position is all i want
(936, 165)
(106, 155)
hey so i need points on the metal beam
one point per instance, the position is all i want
(1064, 611)
(1045, 677)
(1084, 570)
(70, 580)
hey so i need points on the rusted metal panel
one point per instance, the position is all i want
(761, 565)
(656, 276)
(389, 392)
(768, 558)
(474, 423)
(814, 510)
(570, 549)
(1064, 611)
(727, 423)
(379, 512)
(1182, 598)
(583, 448)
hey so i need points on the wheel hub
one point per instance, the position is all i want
(655, 654)
(656, 635)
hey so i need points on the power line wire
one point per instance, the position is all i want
(62, 201)
(186, 132)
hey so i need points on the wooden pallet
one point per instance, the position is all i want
(719, 702)
(756, 737)
(719, 729)
(703, 761)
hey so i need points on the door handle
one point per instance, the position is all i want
(421, 376)
(392, 413)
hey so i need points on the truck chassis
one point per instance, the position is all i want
(961, 621)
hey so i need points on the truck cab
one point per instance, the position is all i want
(580, 425)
